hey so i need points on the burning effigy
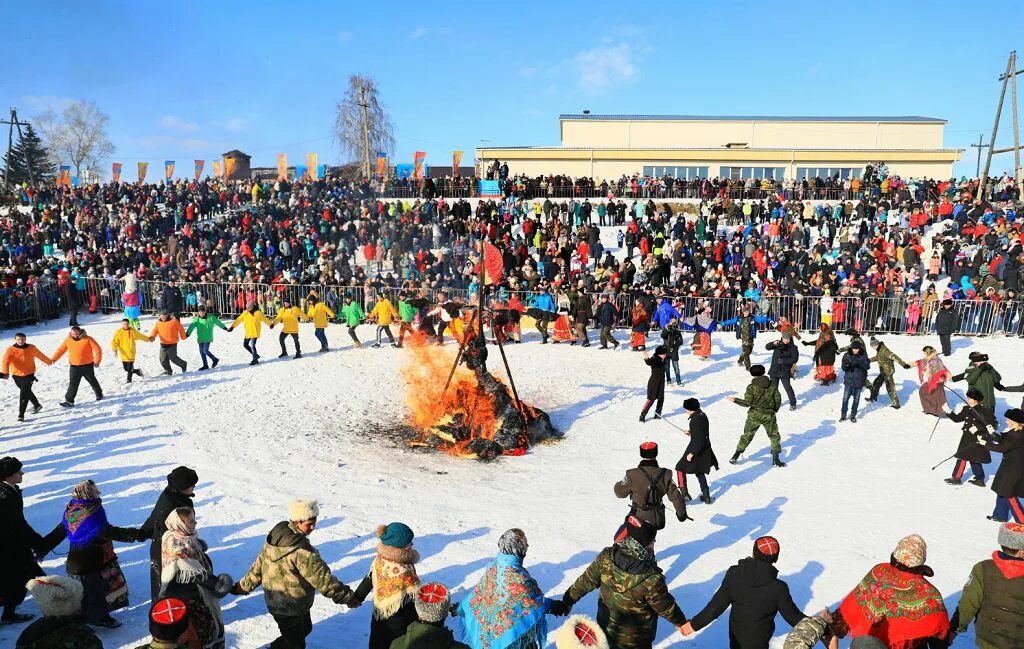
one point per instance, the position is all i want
(478, 415)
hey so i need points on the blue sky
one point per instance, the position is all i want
(189, 79)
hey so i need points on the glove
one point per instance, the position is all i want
(559, 608)
(224, 585)
(906, 366)
(237, 590)
(998, 386)
(981, 440)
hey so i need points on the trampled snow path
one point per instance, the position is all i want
(261, 436)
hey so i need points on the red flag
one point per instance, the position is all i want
(494, 264)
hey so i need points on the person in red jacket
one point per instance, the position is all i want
(84, 355)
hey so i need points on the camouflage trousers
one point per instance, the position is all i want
(756, 419)
(890, 388)
(744, 358)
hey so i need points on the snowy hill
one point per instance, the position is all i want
(260, 436)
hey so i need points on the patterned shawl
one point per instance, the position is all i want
(932, 373)
(895, 606)
(84, 519)
(394, 578)
(182, 558)
(506, 609)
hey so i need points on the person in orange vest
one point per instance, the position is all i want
(170, 331)
(20, 363)
(84, 356)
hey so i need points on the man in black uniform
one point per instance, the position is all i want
(646, 486)
(977, 420)
(655, 384)
(18, 543)
(947, 321)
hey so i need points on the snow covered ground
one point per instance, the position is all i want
(261, 436)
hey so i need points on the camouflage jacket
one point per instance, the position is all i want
(291, 572)
(761, 396)
(58, 633)
(807, 633)
(163, 644)
(633, 594)
(887, 360)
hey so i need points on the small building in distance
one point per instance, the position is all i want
(695, 146)
(240, 167)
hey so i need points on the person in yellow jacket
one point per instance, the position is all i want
(20, 363)
(320, 314)
(253, 320)
(384, 313)
(289, 316)
(169, 330)
(123, 345)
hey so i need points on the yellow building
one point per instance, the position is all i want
(689, 146)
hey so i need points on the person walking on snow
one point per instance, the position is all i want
(886, 371)
(253, 320)
(168, 328)
(993, 598)
(976, 420)
(933, 374)
(124, 346)
(655, 384)
(703, 326)
(320, 314)
(1009, 481)
(982, 376)
(672, 339)
(20, 363)
(825, 349)
(393, 582)
(384, 313)
(203, 324)
(646, 486)
(353, 315)
(407, 315)
(855, 366)
(18, 543)
(699, 457)
(179, 492)
(746, 332)
(606, 316)
(289, 316)
(762, 400)
(784, 359)
(84, 356)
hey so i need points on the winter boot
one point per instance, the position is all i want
(842, 418)
(977, 482)
(282, 354)
(705, 496)
(735, 459)
(776, 461)
(952, 481)
(686, 495)
(298, 354)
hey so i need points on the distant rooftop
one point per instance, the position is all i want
(754, 118)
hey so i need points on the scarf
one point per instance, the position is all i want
(394, 578)
(895, 606)
(183, 560)
(84, 520)
(506, 608)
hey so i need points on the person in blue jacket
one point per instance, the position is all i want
(665, 312)
(542, 309)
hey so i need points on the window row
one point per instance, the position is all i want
(684, 173)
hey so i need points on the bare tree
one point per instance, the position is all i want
(77, 136)
(362, 125)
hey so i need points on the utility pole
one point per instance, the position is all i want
(979, 146)
(1008, 78)
(13, 123)
(366, 131)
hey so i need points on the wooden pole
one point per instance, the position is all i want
(983, 184)
(1016, 128)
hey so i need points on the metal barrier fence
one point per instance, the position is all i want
(886, 315)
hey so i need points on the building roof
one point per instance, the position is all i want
(712, 148)
(235, 153)
(752, 118)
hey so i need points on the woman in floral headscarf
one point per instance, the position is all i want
(91, 558)
(394, 584)
(187, 574)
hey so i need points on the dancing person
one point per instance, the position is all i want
(384, 313)
(289, 317)
(18, 543)
(433, 605)
(855, 366)
(60, 601)
(168, 328)
(762, 401)
(886, 372)
(178, 494)
(646, 486)
(981, 376)
(1009, 481)
(203, 323)
(698, 458)
(321, 315)
(84, 356)
(19, 363)
(825, 350)
(977, 420)
(933, 374)
(252, 320)
(353, 314)
(655, 384)
(393, 581)
(994, 595)
(784, 359)
(746, 332)
(124, 347)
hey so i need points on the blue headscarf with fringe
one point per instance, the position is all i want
(507, 609)
(84, 519)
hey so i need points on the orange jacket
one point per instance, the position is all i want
(170, 331)
(84, 351)
(21, 361)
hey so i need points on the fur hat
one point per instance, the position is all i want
(580, 632)
(168, 619)
(975, 393)
(395, 535)
(85, 490)
(911, 551)
(649, 450)
(757, 370)
(766, 548)
(432, 603)
(1011, 535)
(181, 478)
(691, 404)
(660, 349)
(640, 531)
(56, 596)
(977, 357)
(9, 466)
(1015, 415)
(303, 510)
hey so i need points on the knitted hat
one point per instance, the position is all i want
(911, 551)
(56, 596)
(767, 549)
(649, 450)
(641, 531)
(395, 535)
(432, 603)
(975, 393)
(580, 632)
(1015, 415)
(1011, 535)
(168, 619)
(9, 466)
(757, 370)
(977, 357)
(691, 404)
(181, 478)
(300, 510)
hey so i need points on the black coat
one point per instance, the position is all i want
(155, 526)
(947, 321)
(656, 384)
(757, 595)
(171, 300)
(784, 357)
(18, 541)
(700, 446)
(673, 339)
(1009, 480)
(855, 369)
(825, 353)
(977, 421)
(606, 314)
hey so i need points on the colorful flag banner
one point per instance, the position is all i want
(216, 169)
(168, 169)
(199, 168)
(115, 172)
(417, 164)
(64, 177)
(311, 163)
(382, 164)
(301, 171)
(143, 167)
(282, 166)
(229, 167)
(456, 161)
(321, 171)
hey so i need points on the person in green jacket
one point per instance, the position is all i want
(432, 606)
(994, 595)
(762, 400)
(406, 315)
(203, 324)
(983, 377)
(353, 315)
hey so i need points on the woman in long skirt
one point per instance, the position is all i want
(641, 323)
(825, 349)
(703, 324)
(933, 374)
(563, 331)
